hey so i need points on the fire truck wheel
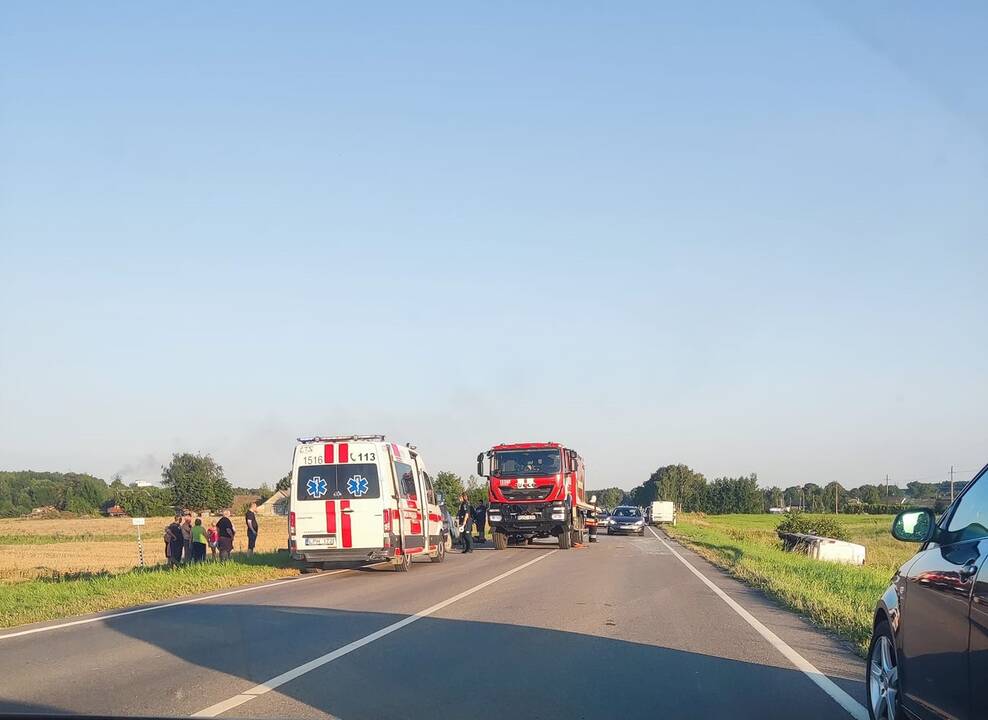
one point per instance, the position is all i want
(565, 539)
(440, 553)
(500, 541)
(403, 563)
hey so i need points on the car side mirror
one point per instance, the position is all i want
(480, 465)
(916, 525)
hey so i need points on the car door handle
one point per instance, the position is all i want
(347, 510)
(968, 570)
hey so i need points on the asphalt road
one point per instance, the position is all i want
(622, 628)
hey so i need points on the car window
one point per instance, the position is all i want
(328, 482)
(406, 480)
(969, 520)
(430, 493)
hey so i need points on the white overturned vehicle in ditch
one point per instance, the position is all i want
(359, 498)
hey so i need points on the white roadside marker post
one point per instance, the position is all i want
(140, 543)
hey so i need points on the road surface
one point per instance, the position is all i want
(627, 627)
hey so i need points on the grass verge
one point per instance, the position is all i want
(89, 592)
(840, 598)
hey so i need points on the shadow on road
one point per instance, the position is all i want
(495, 670)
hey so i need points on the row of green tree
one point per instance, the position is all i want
(192, 481)
(692, 492)
(23, 490)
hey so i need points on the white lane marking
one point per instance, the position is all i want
(268, 685)
(852, 706)
(98, 618)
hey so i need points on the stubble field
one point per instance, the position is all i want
(56, 548)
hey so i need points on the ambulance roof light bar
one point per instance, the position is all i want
(343, 438)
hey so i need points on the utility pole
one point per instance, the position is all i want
(886, 484)
(836, 509)
(951, 483)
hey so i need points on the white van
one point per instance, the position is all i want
(360, 498)
(662, 512)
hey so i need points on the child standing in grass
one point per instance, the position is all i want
(212, 536)
(198, 541)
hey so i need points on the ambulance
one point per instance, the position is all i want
(359, 498)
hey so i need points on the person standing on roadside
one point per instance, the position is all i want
(174, 542)
(251, 521)
(464, 517)
(198, 542)
(224, 528)
(212, 536)
(187, 537)
(480, 518)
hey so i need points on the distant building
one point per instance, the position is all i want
(116, 511)
(277, 504)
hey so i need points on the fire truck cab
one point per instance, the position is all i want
(358, 498)
(536, 490)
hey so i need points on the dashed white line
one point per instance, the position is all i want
(852, 706)
(268, 685)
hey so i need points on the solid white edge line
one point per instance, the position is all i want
(189, 601)
(268, 685)
(837, 694)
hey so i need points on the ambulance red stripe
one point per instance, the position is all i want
(331, 515)
(347, 538)
(327, 454)
(344, 453)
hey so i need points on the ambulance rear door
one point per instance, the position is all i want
(432, 509)
(338, 498)
(411, 501)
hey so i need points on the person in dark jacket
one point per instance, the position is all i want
(174, 542)
(480, 518)
(250, 519)
(464, 517)
(187, 538)
(224, 527)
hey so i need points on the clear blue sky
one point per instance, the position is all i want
(751, 237)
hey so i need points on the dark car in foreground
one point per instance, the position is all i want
(928, 656)
(626, 519)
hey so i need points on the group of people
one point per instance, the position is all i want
(469, 517)
(187, 538)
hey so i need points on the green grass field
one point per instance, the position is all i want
(840, 598)
(88, 592)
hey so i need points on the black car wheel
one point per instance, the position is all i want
(882, 675)
(403, 563)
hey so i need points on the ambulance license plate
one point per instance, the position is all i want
(321, 541)
(527, 517)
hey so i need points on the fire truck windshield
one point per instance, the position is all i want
(513, 463)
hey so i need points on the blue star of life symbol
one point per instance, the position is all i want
(316, 487)
(357, 485)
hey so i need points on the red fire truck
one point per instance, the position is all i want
(535, 490)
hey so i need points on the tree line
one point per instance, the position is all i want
(190, 481)
(692, 492)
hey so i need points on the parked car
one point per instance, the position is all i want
(627, 519)
(929, 648)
